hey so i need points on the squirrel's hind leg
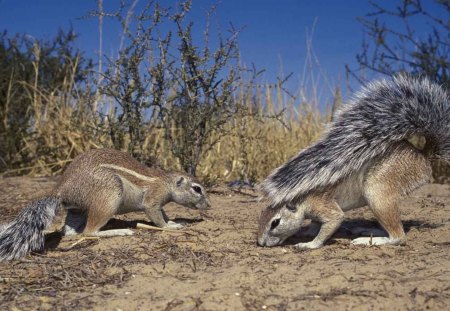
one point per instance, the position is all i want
(100, 212)
(111, 233)
(75, 224)
(386, 184)
(383, 201)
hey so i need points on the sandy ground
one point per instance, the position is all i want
(215, 264)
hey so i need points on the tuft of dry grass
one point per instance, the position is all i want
(255, 147)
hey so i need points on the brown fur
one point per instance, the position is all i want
(105, 182)
(389, 181)
(381, 184)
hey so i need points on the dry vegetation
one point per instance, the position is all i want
(194, 107)
(62, 128)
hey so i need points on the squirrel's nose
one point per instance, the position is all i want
(261, 241)
(203, 205)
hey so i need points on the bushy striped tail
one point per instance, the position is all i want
(381, 115)
(26, 233)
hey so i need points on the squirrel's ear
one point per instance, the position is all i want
(180, 181)
(291, 206)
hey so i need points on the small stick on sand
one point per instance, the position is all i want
(148, 227)
(82, 239)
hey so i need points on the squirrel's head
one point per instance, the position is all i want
(276, 224)
(187, 192)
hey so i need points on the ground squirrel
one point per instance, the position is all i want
(96, 186)
(364, 158)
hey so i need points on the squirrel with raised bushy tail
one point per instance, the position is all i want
(364, 158)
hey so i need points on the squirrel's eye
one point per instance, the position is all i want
(197, 189)
(274, 224)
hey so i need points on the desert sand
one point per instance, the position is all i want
(215, 264)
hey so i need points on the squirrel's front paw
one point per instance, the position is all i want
(173, 225)
(309, 245)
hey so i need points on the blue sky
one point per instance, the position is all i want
(274, 35)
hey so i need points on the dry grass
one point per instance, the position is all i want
(256, 147)
(74, 117)
(63, 127)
